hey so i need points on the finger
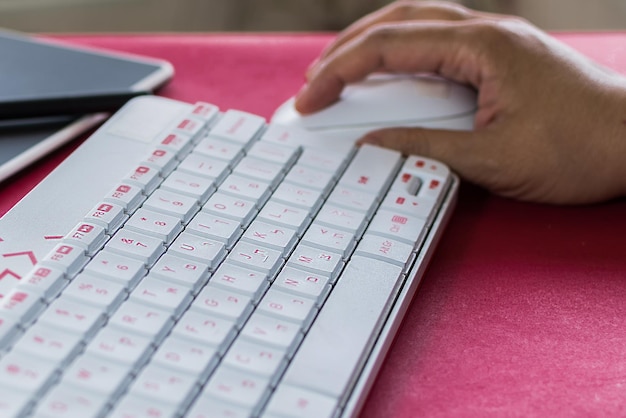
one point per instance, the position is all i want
(439, 47)
(468, 153)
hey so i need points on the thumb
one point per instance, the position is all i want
(465, 152)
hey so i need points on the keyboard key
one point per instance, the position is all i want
(188, 273)
(199, 188)
(134, 406)
(301, 196)
(223, 302)
(208, 407)
(320, 159)
(318, 261)
(67, 402)
(273, 332)
(120, 346)
(121, 269)
(237, 387)
(346, 219)
(398, 226)
(125, 195)
(206, 328)
(144, 176)
(353, 199)
(245, 188)
(170, 203)
(256, 257)
(155, 224)
(162, 159)
(199, 249)
(385, 249)
(108, 215)
(25, 373)
(95, 291)
(48, 343)
(165, 385)
(89, 236)
(8, 330)
(46, 282)
(238, 126)
(289, 306)
(168, 296)
(371, 169)
(241, 280)
(205, 166)
(142, 319)
(258, 169)
(180, 144)
(256, 358)
(300, 282)
(232, 207)
(285, 214)
(217, 148)
(216, 227)
(311, 177)
(66, 257)
(419, 207)
(97, 374)
(279, 238)
(21, 304)
(205, 111)
(265, 150)
(330, 238)
(72, 316)
(135, 245)
(191, 357)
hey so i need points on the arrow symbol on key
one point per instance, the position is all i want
(8, 272)
(30, 254)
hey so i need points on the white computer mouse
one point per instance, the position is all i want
(385, 100)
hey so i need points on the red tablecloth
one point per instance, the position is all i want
(523, 309)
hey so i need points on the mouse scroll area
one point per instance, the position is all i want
(387, 100)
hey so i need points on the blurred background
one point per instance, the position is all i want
(272, 15)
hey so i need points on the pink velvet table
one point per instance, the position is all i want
(523, 309)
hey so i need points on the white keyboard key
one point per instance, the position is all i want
(206, 328)
(406, 182)
(95, 291)
(119, 268)
(135, 245)
(205, 111)
(316, 260)
(170, 297)
(21, 304)
(301, 196)
(97, 374)
(142, 319)
(258, 169)
(239, 279)
(67, 258)
(272, 331)
(346, 219)
(302, 403)
(432, 188)
(323, 160)
(277, 237)
(199, 188)
(25, 373)
(246, 188)
(371, 169)
(282, 135)
(238, 126)
(224, 303)
(120, 346)
(165, 385)
(107, 215)
(303, 175)
(353, 199)
(208, 407)
(188, 273)
(190, 126)
(170, 203)
(127, 196)
(232, 207)
(398, 226)
(235, 386)
(191, 357)
(221, 149)
(256, 257)
(155, 224)
(13, 403)
(340, 336)
(204, 166)
(200, 249)
(330, 238)
(89, 236)
(419, 207)
(73, 317)
(67, 402)
(46, 282)
(216, 227)
(133, 406)
(162, 159)
(385, 249)
(48, 343)
(144, 176)
(265, 150)
(289, 306)
(300, 282)
(426, 167)
(255, 358)
(179, 143)
(286, 215)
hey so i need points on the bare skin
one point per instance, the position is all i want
(550, 126)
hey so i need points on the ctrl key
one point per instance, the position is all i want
(25, 373)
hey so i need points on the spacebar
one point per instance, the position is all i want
(333, 352)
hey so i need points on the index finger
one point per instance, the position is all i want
(445, 48)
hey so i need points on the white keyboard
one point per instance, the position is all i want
(190, 262)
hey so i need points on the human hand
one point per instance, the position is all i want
(550, 125)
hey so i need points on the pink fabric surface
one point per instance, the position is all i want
(522, 311)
